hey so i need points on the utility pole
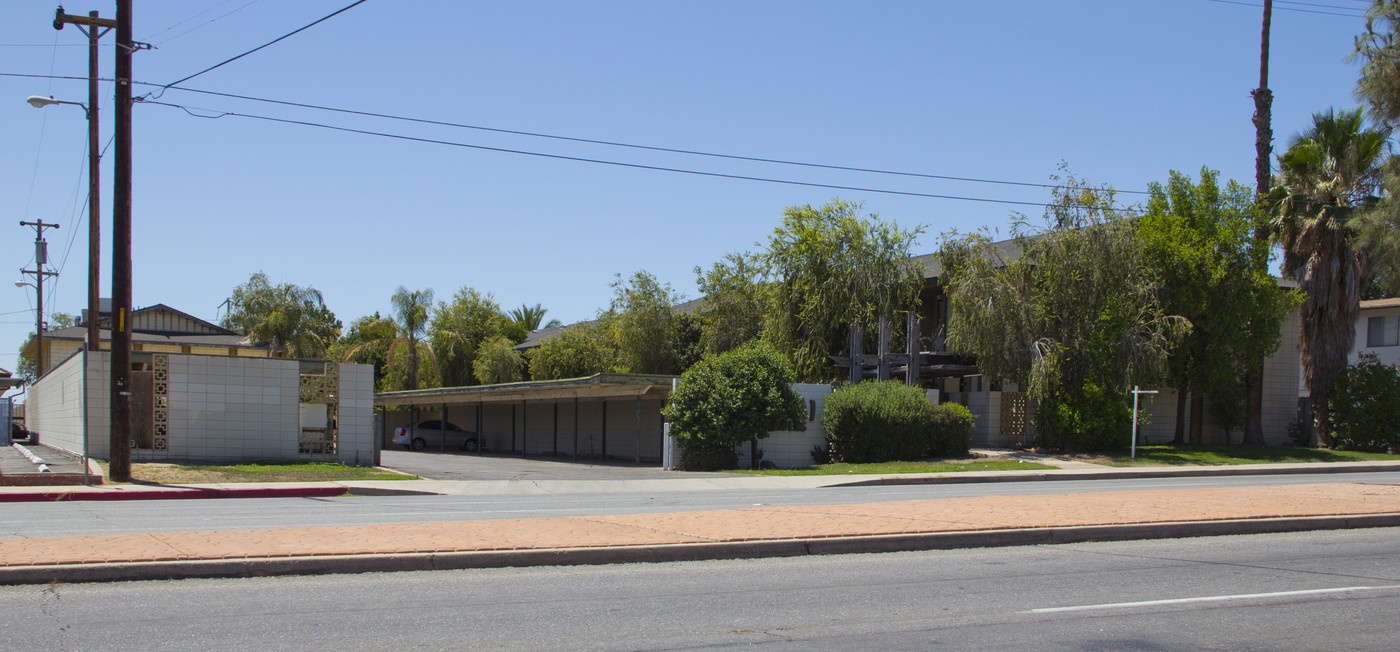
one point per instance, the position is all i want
(41, 258)
(92, 23)
(119, 462)
(1263, 149)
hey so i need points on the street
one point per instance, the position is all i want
(1304, 591)
(28, 520)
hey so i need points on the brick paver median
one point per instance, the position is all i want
(751, 524)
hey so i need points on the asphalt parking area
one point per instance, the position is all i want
(456, 465)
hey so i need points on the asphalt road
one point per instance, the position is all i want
(456, 465)
(28, 520)
(1302, 591)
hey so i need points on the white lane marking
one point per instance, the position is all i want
(1213, 598)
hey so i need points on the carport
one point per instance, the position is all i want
(604, 416)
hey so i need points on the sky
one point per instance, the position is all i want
(1119, 92)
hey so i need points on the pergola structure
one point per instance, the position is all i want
(525, 416)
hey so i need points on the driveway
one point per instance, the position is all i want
(454, 465)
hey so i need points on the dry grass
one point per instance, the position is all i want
(160, 473)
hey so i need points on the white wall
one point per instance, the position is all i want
(788, 449)
(1386, 354)
(221, 409)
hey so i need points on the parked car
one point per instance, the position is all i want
(17, 432)
(431, 432)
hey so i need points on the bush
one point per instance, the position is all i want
(1364, 406)
(735, 397)
(1099, 420)
(696, 456)
(951, 431)
(882, 422)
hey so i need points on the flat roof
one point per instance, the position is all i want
(597, 386)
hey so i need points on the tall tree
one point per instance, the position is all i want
(373, 334)
(530, 317)
(580, 350)
(497, 361)
(643, 320)
(1075, 320)
(280, 315)
(1379, 51)
(458, 328)
(1329, 179)
(1198, 240)
(1263, 151)
(832, 268)
(734, 298)
(407, 326)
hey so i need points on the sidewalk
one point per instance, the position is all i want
(737, 533)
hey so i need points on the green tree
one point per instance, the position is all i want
(1075, 319)
(530, 317)
(374, 333)
(288, 315)
(735, 397)
(1329, 180)
(735, 296)
(576, 352)
(1365, 400)
(1198, 241)
(832, 268)
(643, 320)
(405, 330)
(457, 331)
(497, 361)
(1379, 230)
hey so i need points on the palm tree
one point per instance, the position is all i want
(407, 325)
(283, 315)
(530, 317)
(1329, 177)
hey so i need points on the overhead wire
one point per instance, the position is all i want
(435, 141)
(1359, 14)
(280, 38)
(588, 140)
(653, 148)
(201, 25)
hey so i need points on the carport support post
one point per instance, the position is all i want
(639, 431)
(575, 428)
(512, 427)
(480, 435)
(605, 428)
(524, 426)
(556, 428)
(443, 427)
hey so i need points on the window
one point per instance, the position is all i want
(1383, 331)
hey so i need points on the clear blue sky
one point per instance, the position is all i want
(1121, 90)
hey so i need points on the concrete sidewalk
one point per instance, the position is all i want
(752, 532)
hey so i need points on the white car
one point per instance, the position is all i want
(431, 433)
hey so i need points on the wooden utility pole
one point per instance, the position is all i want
(1263, 150)
(92, 23)
(120, 441)
(41, 257)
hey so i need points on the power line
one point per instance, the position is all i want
(1304, 11)
(609, 143)
(579, 159)
(590, 140)
(284, 36)
(203, 24)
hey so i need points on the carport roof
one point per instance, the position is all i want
(596, 386)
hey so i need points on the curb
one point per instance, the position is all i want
(348, 564)
(172, 493)
(1166, 472)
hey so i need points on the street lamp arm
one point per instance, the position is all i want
(39, 102)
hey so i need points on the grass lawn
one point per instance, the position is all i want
(212, 474)
(886, 468)
(1216, 455)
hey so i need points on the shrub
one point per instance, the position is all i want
(878, 422)
(1099, 420)
(1364, 406)
(696, 456)
(735, 397)
(951, 431)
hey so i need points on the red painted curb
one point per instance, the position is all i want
(172, 493)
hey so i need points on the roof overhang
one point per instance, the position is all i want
(598, 386)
